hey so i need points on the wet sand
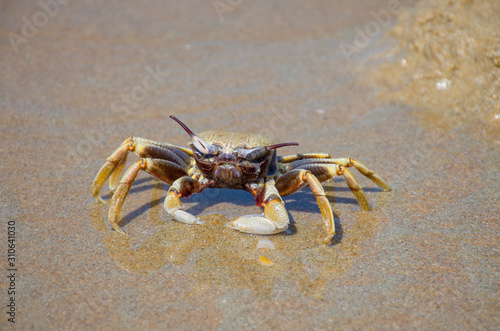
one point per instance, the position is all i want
(425, 257)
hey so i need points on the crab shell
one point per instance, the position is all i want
(227, 169)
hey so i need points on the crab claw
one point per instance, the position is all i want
(183, 216)
(256, 224)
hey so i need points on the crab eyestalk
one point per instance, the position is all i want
(281, 145)
(200, 144)
(259, 152)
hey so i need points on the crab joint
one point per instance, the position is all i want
(130, 142)
(271, 194)
(272, 198)
(340, 171)
(184, 187)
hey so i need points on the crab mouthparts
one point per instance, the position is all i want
(228, 173)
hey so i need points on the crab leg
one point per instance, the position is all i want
(162, 169)
(275, 217)
(181, 188)
(348, 162)
(113, 164)
(296, 179)
(324, 172)
(113, 168)
(318, 162)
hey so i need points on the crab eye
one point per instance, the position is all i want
(257, 153)
(252, 154)
(199, 144)
(203, 147)
(241, 152)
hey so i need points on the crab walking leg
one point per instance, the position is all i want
(162, 169)
(121, 193)
(294, 181)
(181, 188)
(112, 163)
(116, 175)
(348, 162)
(319, 161)
(275, 217)
(113, 168)
(325, 171)
(355, 188)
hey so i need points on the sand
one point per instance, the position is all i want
(91, 74)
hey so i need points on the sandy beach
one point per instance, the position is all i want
(409, 88)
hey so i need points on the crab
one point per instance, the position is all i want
(235, 160)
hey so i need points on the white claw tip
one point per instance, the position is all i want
(232, 225)
(185, 217)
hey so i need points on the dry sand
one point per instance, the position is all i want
(425, 257)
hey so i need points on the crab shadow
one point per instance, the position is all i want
(301, 201)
